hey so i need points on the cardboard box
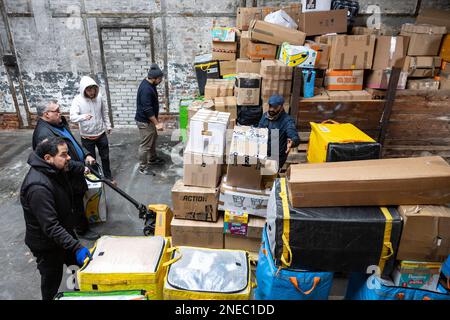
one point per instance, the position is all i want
(379, 79)
(197, 233)
(363, 31)
(247, 154)
(388, 51)
(252, 201)
(201, 170)
(280, 87)
(247, 66)
(221, 34)
(315, 5)
(207, 131)
(426, 233)
(350, 52)
(227, 67)
(246, 15)
(224, 50)
(422, 62)
(260, 51)
(344, 80)
(243, 44)
(349, 95)
(248, 88)
(196, 105)
(417, 275)
(275, 34)
(424, 180)
(434, 17)
(218, 88)
(322, 22)
(194, 203)
(95, 201)
(297, 56)
(227, 104)
(425, 40)
(444, 81)
(423, 84)
(275, 70)
(323, 53)
(445, 48)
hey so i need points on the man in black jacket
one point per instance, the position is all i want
(52, 124)
(147, 112)
(47, 202)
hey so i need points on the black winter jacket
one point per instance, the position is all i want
(46, 198)
(76, 166)
(147, 104)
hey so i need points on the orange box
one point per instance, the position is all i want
(260, 51)
(445, 48)
(344, 80)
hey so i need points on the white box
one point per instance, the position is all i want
(207, 132)
(95, 201)
(254, 202)
(316, 5)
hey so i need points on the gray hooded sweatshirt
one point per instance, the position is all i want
(83, 105)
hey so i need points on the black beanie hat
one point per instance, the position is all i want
(154, 72)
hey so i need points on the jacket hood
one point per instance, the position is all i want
(40, 164)
(87, 82)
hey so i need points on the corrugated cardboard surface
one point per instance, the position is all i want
(279, 87)
(275, 70)
(423, 43)
(434, 17)
(323, 53)
(349, 95)
(423, 84)
(260, 51)
(218, 88)
(424, 180)
(247, 66)
(351, 52)
(226, 104)
(379, 79)
(323, 22)
(224, 50)
(422, 62)
(247, 89)
(194, 203)
(227, 67)
(275, 34)
(243, 44)
(201, 170)
(423, 28)
(236, 242)
(426, 233)
(388, 51)
(245, 15)
(344, 80)
(197, 233)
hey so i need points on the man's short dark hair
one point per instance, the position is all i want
(49, 146)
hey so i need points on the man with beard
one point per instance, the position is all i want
(277, 118)
(46, 198)
(52, 124)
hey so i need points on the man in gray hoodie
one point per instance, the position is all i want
(92, 116)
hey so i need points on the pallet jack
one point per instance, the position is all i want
(147, 213)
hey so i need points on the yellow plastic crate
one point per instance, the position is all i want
(332, 132)
(124, 257)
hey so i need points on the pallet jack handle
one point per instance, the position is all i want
(149, 216)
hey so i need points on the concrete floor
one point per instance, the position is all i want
(19, 278)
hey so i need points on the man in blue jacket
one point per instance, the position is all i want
(277, 118)
(147, 119)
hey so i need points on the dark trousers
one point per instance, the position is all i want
(82, 222)
(102, 145)
(50, 265)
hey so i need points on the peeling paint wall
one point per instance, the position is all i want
(58, 41)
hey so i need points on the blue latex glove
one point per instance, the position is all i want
(81, 255)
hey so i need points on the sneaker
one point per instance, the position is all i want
(146, 171)
(157, 161)
(88, 235)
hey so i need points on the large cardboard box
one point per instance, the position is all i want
(227, 104)
(349, 95)
(323, 22)
(344, 80)
(196, 105)
(434, 17)
(280, 87)
(207, 131)
(243, 44)
(424, 180)
(422, 66)
(444, 81)
(323, 53)
(252, 201)
(246, 157)
(197, 233)
(351, 52)
(362, 31)
(194, 203)
(218, 88)
(275, 70)
(445, 48)
(227, 67)
(425, 40)
(426, 233)
(224, 51)
(247, 66)
(201, 170)
(388, 51)
(379, 79)
(246, 15)
(275, 34)
(248, 88)
(250, 242)
(423, 84)
(260, 51)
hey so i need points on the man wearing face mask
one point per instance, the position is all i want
(277, 118)
(47, 202)
(147, 112)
